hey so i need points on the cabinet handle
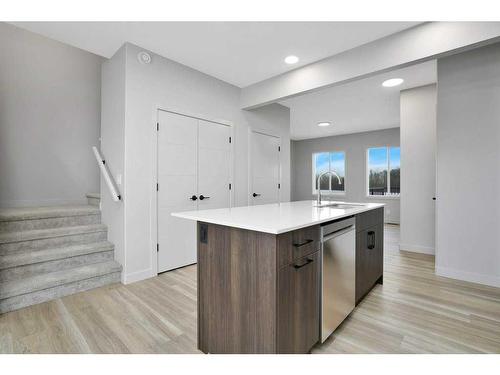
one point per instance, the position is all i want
(308, 261)
(203, 197)
(255, 195)
(371, 240)
(303, 243)
(193, 198)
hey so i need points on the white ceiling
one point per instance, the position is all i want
(359, 106)
(240, 53)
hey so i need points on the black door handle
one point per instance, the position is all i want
(371, 240)
(255, 195)
(433, 198)
(308, 261)
(302, 243)
(193, 198)
(203, 197)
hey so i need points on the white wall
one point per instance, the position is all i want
(354, 146)
(418, 169)
(171, 86)
(113, 147)
(49, 120)
(468, 166)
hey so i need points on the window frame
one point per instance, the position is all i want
(313, 175)
(367, 173)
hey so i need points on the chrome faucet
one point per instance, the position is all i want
(318, 198)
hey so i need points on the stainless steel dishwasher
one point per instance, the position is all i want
(338, 247)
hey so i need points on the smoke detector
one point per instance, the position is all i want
(144, 57)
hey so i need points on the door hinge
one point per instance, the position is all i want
(157, 247)
(279, 186)
(157, 126)
(157, 186)
(229, 186)
(229, 139)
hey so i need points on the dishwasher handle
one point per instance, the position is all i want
(337, 233)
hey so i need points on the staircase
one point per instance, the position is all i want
(51, 252)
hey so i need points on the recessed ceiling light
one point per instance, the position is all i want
(291, 59)
(393, 82)
(323, 124)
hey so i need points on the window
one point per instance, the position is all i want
(329, 161)
(384, 164)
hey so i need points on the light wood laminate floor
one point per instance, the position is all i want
(413, 312)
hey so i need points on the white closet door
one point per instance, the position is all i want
(177, 179)
(214, 165)
(265, 169)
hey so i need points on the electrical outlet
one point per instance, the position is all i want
(203, 233)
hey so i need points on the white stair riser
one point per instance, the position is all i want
(17, 302)
(54, 265)
(46, 223)
(45, 243)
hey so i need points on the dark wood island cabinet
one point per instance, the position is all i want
(257, 292)
(260, 272)
(369, 251)
(260, 292)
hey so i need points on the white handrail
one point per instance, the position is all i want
(115, 194)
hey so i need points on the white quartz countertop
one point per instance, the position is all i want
(276, 218)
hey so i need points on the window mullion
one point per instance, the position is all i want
(388, 170)
(315, 172)
(368, 169)
(330, 169)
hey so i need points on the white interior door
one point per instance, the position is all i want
(177, 180)
(214, 165)
(265, 168)
(194, 172)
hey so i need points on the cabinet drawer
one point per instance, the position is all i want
(369, 259)
(298, 243)
(368, 219)
(298, 305)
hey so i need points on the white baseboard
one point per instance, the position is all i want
(391, 221)
(468, 276)
(417, 249)
(137, 276)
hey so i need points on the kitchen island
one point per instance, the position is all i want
(259, 272)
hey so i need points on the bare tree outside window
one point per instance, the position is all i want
(384, 165)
